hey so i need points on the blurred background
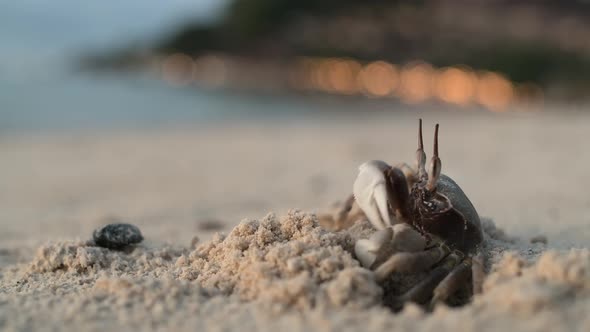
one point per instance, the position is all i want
(186, 116)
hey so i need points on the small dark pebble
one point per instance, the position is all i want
(117, 236)
(210, 225)
(539, 239)
(195, 242)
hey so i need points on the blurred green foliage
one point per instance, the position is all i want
(246, 21)
(251, 18)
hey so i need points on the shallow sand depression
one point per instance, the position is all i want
(282, 270)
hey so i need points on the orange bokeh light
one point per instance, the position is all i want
(456, 85)
(177, 69)
(332, 75)
(320, 74)
(494, 91)
(379, 79)
(416, 82)
(211, 70)
(342, 76)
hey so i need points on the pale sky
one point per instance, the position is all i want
(34, 30)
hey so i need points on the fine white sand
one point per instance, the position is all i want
(527, 173)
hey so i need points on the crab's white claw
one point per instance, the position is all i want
(370, 193)
(366, 250)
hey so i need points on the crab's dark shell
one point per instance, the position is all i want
(459, 225)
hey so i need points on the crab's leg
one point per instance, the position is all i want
(411, 262)
(478, 272)
(423, 290)
(452, 282)
(345, 209)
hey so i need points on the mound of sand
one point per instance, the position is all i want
(291, 263)
(278, 273)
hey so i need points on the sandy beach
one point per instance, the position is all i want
(232, 241)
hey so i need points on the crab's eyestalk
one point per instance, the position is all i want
(420, 155)
(435, 164)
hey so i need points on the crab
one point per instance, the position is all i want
(424, 224)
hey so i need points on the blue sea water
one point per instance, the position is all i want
(74, 101)
(78, 101)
